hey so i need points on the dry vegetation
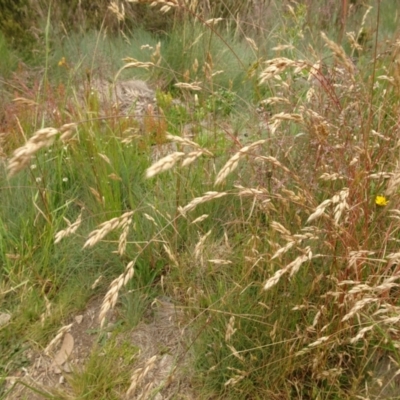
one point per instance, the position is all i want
(256, 189)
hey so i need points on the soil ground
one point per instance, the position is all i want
(159, 369)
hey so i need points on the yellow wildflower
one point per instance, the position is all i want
(381, 200)
(62, 62)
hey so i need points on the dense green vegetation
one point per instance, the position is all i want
(257, 190)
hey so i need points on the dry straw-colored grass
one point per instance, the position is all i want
(57, 339)
(40, 139)
(292, 268)
(170, 254)
(123, 222)
(111, 297)
(72, 228)
(230, 329)
(169, 161)
(318, 201)
(233, 162)
(196, 86)
(326, 178)
(199, 219)
(339, 200)
(187, 157)
(164, 164)
(208, 196)
(188, 144)
(138, 377)
(106, 227)
(199, 248)
(123, 239)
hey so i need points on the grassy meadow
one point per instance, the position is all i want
(259, 195)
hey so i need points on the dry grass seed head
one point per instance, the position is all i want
(276, 226)
(151, 219)
(186, 142)
(258, 193)
(199, 200)
(96, 282)
(199, 219)
(275, 100)
(339, 199)
(48, 310)
(57, 339)
(283, 249)
(317, 213)
(359, 255)
(191, 157)
(123, 239)
(293, 268)
(235, 353)
(275, 67)
(236, 378)
(111, 296)
(105, 158)
(170, 254)
(287, 117)
(233, 162)
(70, 230)
(108, 226)
(132, 63)
(164, 164)
(340, 54)
(230, 329)
(22, 156)
(196, 86)
(295, 265)
(331, 177)
(97, 195)
(198, 250)
(358, 306)
(41, 138)
(117, 11)
(360, 335)
(139, 374)
(341, 204)
(213, 21)
(67, 131)
(275, 278)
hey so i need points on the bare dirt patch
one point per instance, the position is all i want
(158, 370)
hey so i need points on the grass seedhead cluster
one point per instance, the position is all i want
(40, 139)
(112, 295)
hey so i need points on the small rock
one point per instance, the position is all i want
(67, 368)
(65, 351)
(56, 370)
(4, 318)
(79, 319)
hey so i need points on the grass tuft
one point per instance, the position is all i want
(240, 175)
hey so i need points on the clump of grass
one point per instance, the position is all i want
(324, 201)
(105, 373)
(278, 234)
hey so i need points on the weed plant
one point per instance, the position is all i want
(272, 220)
